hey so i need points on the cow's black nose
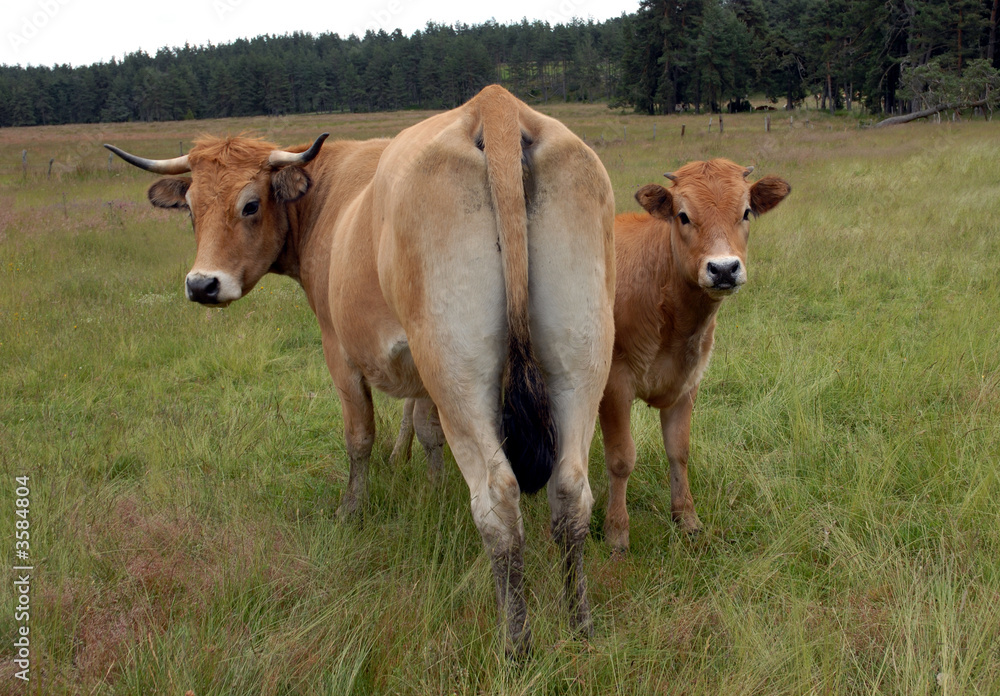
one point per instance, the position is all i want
(723, 272)
(203, 289)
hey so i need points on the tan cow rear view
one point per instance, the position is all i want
(674, 265)
(468, 261)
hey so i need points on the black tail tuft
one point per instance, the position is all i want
(527, 429)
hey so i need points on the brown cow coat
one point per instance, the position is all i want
(468, 261)
(668, 292)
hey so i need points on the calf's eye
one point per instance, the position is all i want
(685, 220)
(250, 208)
(746, 215)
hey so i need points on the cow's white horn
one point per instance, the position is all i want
(282, 158)
(177, 165)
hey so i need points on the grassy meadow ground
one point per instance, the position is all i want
(185, 462)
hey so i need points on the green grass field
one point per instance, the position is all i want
(185, 462)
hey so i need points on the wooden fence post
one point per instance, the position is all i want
(682, 131)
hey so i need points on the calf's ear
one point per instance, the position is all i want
(656, 201)
(767, 193)
(290, 183)
(169, 193)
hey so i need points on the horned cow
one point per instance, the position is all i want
(467, 262)
(675, 265)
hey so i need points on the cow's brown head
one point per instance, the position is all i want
(709, 207)
(236, 196)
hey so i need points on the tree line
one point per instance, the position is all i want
(887, 56)
(438, 67)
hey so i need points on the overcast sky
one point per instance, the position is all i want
(80, 32)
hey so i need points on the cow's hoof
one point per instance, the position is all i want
(518, 648)
(581, 621)
(350, 509)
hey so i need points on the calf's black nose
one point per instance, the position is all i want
(203, 289)
(723, 273)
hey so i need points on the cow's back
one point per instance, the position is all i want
(437, 236)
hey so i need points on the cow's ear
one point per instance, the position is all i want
(290, 183)
(169, 193)
(656, 200)
(767, 193)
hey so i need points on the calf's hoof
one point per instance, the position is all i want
(688, 522)
(616, 535)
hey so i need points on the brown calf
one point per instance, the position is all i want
(674, 265)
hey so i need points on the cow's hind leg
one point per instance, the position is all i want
(676, 425)
(428, 426)
(571, 503)
(495, 509)
(572, 327)
(461, 374)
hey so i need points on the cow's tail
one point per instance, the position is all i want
(527, 428)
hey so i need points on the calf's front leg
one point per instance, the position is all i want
(619, 458)
(675, 423)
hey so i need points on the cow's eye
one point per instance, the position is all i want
(685, 220)
(746, 215)
(251, 208)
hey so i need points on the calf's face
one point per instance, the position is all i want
(236, 198)
(709, 208)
